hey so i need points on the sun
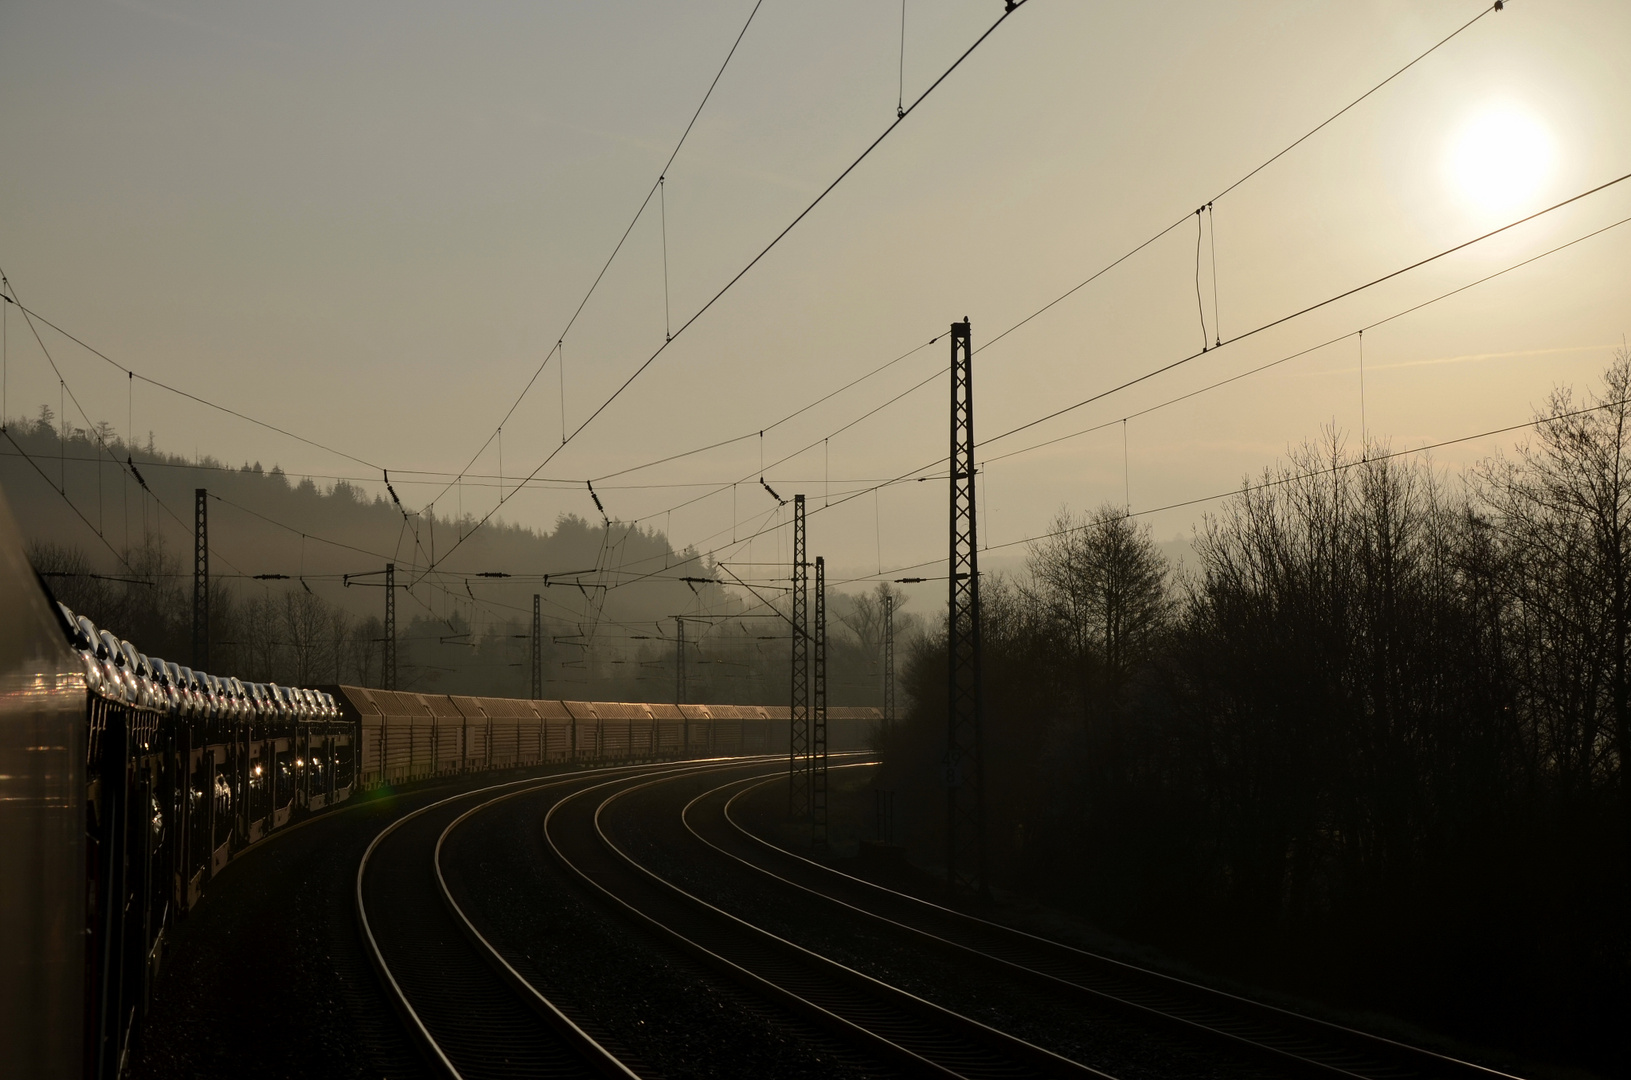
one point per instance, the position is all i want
(1501, 157)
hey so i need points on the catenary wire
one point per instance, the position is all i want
(1497, 6)
(149, 380)
(1010, 8)
(561, 338)
(912, 475)
(1312, 348)
(1310, 308)
(1152, 239)
(1278, 481)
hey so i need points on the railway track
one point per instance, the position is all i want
(645, 844)
(481, 999)
(473, 1016)
(909, 1033)
(1271, 1035)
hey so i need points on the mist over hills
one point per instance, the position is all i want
(122, 554)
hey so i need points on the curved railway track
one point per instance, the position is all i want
(665, 847)
(473, 1016)
(1272, 1035)
(913, 1034)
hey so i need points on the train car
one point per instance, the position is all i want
(504, 736)
(586, 734)
(522, 726)
(209, 747)
(448, 736)
(324, 757)
(699, 741)
(476, 736)
(756, 733)
(668, 725)
(357, 704)
(727, 730)
(558, 730)
(43, 826)
(625, 729)
(260, 766)
(409, 736)
(853, 727)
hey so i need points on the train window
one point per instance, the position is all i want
(260, 785)
(223, 806)
(283, 792)
(342, 763)
(198, 810)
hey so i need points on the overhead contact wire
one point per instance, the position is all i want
(1009, 10)
(561, 338)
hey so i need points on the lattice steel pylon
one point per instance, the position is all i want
(201, 579)
(537, 646)
(965, 797)
(818, 719)
(888, 662)
(388, 660)
(679, 660)
(798, 713)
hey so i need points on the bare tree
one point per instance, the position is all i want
(1102, 583)
(339, 633)
(1563, 509)
(304, 624)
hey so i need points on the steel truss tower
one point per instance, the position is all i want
(965, 802)
(537, 646)
(201, 580)
(818, 727)
(888, 661)
(388, 660)
(798, 735)
(679, 660)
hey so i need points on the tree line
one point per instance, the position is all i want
(287, 633)
(291, 636)
(1372, 745)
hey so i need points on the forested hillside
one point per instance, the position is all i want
(282, 546)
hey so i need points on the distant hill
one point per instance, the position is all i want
(123, 556)
(128, 552)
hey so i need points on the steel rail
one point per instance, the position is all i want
(417, 1026)
(580, 1039)
(940, 1034)
(771, 990)
(1391, 1052)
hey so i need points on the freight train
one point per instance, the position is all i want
(127, 782)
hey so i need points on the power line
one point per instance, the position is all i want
(912, 475)
(128, 466)
(1206, 207)
(655, 188)
(1010, 8)
(1312, 348)
(1496, 6)
(1310, 308)
(77, 512)
(718, 489)
(776, 423)
(133, 374)
(1278, 481)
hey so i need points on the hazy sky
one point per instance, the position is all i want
(369, 223)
